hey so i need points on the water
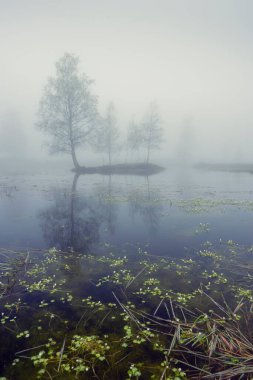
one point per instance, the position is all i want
(165, 212)
(87, 262)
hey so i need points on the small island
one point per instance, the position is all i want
(77, 122)
(229, 167)
(143, 169)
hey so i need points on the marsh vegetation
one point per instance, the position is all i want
(129, 278)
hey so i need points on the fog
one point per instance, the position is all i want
(193, 58)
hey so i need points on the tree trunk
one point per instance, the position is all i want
(73, 154)
(149, 143)
(147, 160)
(110, 157)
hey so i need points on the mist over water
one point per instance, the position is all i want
(126, 189)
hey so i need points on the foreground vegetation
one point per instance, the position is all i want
(69, 315)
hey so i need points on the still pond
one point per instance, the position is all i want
(126, 277)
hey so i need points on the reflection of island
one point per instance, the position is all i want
(77, 220)
(145, 203)
(73, 222)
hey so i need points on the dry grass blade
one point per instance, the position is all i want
(132, 280)
(156, 310)
(29, 349)
(61, 353)
(231, 372)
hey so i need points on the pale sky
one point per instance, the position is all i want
(193, 57)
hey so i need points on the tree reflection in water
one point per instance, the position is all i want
(76, 220)
(108, 205)
(73, 222)
(146, 204)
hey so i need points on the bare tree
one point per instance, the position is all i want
(68, 109)
(107, 136)
(151, 130)
(134, 136)
(148, 134)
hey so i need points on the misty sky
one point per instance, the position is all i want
(193, 57)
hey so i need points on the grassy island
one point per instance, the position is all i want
(144, 169)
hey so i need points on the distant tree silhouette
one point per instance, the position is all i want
(107, 134)
(134, 136)
(151, 130)
(148, 134)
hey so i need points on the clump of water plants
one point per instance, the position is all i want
(72, 315)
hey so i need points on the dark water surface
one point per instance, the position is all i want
(79, 256)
